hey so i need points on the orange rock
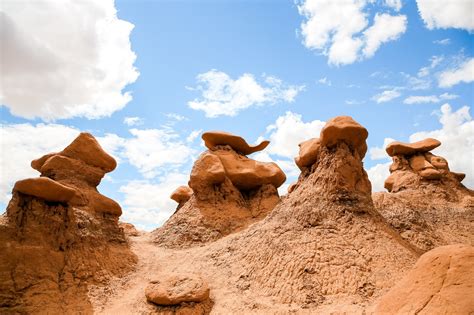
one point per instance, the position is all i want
(176, 288)
(437, 161)
(401, 148)
(430, 173)
(308, 154)
(102, 204)
(246, 173)
(86, 148)
(182, 194)
(214, 138)
(441, 282)
(346, 129)
(419, 163)
(207, 170)
(45, 188)
(458, 176)
(38, 163)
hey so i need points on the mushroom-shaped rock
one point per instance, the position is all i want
(38, 163)
(309, 150)
(401, 148)
(346, 129)
(207, 170)
(215, 138)
(177, 288)
(86, 148)
(102, 204)
(45, 188)
(181, 194)
(441, 282)
(247, 174)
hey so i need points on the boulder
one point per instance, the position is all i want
(248, 174)
(216, 138)
(175, 289)
(207, 170)
(182, 194)
(38, 163)
(102, 204)
(401, 148)
(308, 154)
(86, 148)
(45, 188)
(346, 129)
(441, 282)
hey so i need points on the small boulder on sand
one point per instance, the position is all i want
(175, 289)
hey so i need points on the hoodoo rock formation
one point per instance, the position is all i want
(229, 192)
(426, 202)
(59, 234)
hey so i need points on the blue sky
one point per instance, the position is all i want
(161, 72)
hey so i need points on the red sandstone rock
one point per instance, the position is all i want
(207, 170)
(175, 289)
(215, 138)
(401, 148)
(308, 154)
(182, 194)
(346, 129)
(441, 282)
(45, 188)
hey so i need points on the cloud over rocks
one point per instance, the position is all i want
(341, 31)
(224, 96)
(447, 14)
(63, 59)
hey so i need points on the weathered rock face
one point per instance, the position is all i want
(426, 202)
(230, 191)
(441, 282)
(322, 246)
(59, 234)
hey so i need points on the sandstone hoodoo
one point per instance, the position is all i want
(441, 282)
(229, 191)
(322, 246)
(59, 234)
(426, 202)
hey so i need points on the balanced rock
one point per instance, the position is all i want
(175, 289)
(441, 282)
(45, 188)
(345, 129)
(237, 143)
(182, 194)
(401, 148)
(229, 192)
(309, 150)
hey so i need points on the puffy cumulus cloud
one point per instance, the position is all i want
(447, 14)
(147, 203)
(222, 95)
(22, 143)
(457, 137)
(340, 30)
(457, 146)
(377, 175)
(463, 73)
(386, 96)
(422, 99)
(150, 149)
(62, 59)
(378, 153)
(288, 131)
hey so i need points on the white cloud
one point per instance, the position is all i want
(63, 59)
(22, 143)
(386, 96)
(151, 149)
(222, 95)
(354, 102)
(193, 135)
(385, 28)
(377, 175)
(147, 204)
(176, 117)
(422, 99)
(325, 81)
(464, 73)
(133, 121)
(457, 146)
(288, 131)
(434, 62)
(378, 153)
(447, 14)
(444, 41)
(339, 29)
(394, 4)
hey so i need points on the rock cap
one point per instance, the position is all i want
(214, 138)
(402, 148)
(182, 194)
(346, 129)
(45, 188)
